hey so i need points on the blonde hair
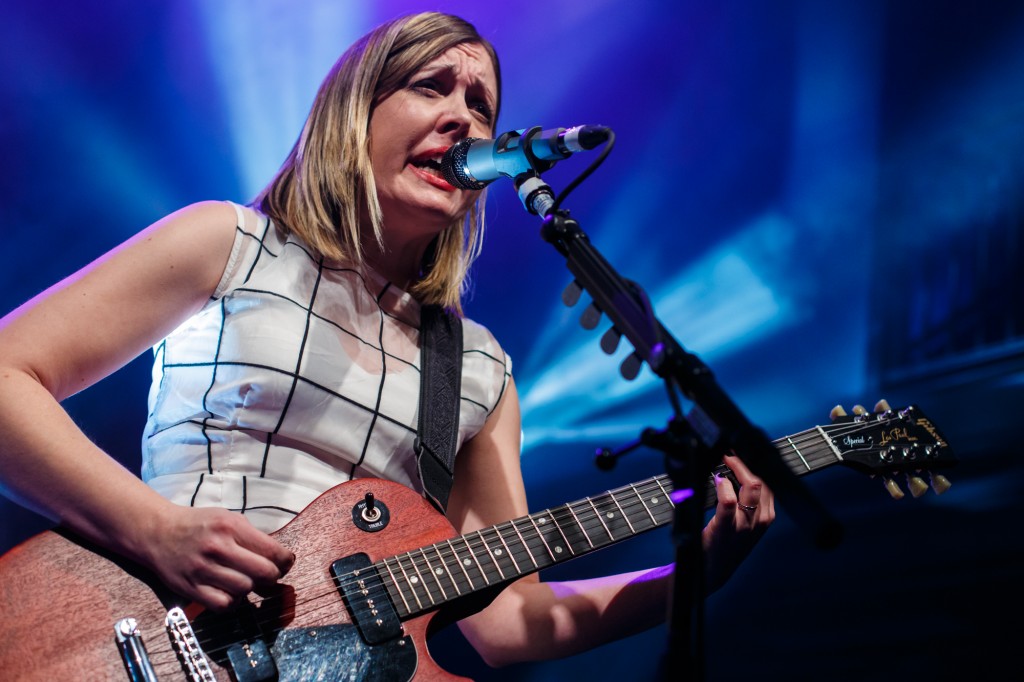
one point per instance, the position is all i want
(327, 182)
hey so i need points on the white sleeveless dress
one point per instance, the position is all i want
(296, 377)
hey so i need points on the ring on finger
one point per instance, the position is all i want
(746, 508)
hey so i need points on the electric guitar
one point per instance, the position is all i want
(375, 563)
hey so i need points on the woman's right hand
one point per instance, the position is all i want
(213, 556)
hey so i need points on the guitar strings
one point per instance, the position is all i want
(586, 518)
(523, 560)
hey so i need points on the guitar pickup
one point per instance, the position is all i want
(367, 599)
(252, 662)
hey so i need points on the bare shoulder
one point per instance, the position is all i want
(114, 308)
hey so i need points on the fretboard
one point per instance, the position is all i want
(427, 578)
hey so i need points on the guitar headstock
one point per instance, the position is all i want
(901, 441)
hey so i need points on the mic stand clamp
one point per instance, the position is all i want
(689, 465)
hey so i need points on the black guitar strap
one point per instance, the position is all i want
(440, 387)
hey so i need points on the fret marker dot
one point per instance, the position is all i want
(558, 550)
(467, 562)
(610, 515)
(497, 552)
(414, 580)
(654, 500)
(542, 520)
(438, 571)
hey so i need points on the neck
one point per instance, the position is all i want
(399, 263)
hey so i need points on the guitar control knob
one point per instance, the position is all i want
(893, 488)
(940, 483)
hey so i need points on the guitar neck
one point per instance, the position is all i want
(429, 577)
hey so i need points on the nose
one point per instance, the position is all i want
(455, 119)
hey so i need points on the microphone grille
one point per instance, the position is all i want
(453, 166)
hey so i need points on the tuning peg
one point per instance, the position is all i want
(571, 294)
(893, 488)
(630, 367)
(916, 485)
(610, 340)
(882, 406)
(860, 413)
(590, 317)
(940, 483)
(837, 412)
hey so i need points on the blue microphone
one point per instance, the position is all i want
(474, 163)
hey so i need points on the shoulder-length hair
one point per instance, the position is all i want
(326, 183)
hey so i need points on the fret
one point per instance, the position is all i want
(508, 551)
(665, 511)
(798, 453)
(451, 578)
(580, 524)
(572, 532)
(658, 504)
(437, 573)
(489, 555)
(496, 551)
(664, 491)
(398, 586)
(643, 503)
(600, 517)
(411, 584)
(455, 556)
(523, 542)
(551, 535)
(612, 517)
(472, 562)
(625, 516)
(535, 542)
(419, 581)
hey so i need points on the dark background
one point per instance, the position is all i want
(824, 201)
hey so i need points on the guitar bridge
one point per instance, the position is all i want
(186, 646)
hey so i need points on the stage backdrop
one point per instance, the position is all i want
(822, 200)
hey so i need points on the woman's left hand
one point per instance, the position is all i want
(740, 519)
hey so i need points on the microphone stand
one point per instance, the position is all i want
(694, 443)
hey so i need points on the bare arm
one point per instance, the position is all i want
(81, 330)
(533, 620)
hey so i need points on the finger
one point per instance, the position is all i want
(742, 472)
(277, 558)
(212, 598)
(726, 492)
(237, 546)
(749, 496)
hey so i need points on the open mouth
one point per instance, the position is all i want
(430, 161)
(433, 166)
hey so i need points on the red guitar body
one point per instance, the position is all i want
(60, 600)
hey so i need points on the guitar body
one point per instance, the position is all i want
(60, 599)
